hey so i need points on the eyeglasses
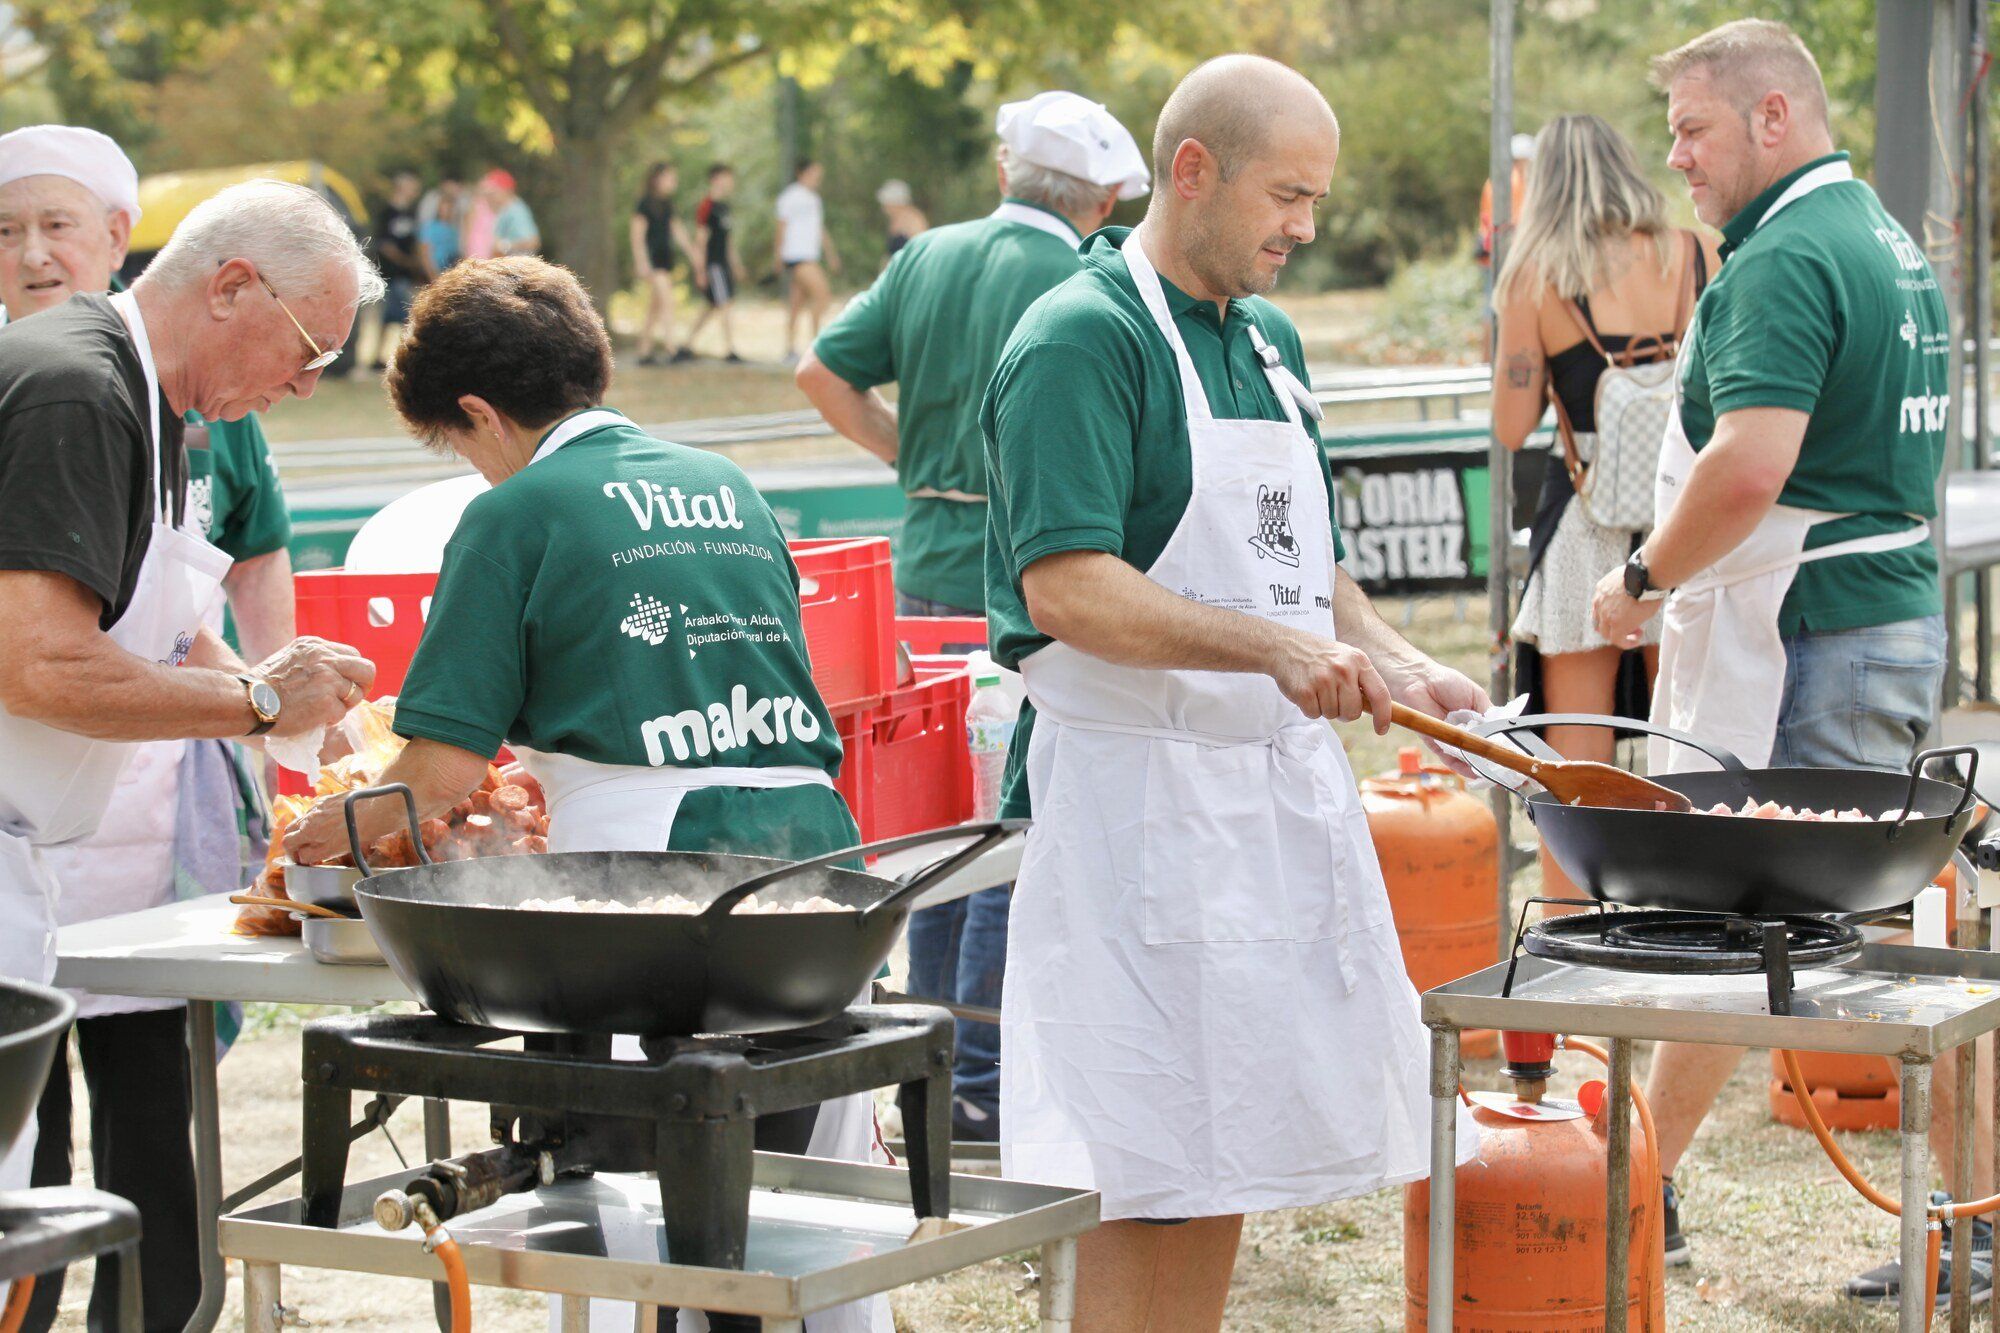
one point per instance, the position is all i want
(320, 360)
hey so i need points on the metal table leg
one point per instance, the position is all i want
(263, 1299)
(123, 1265)
(1445, 1070)
(1618, 1190)
(207, 1107)
(575, 1313)
(784, 1326)
(437, 1147)
(1965, 1064)
(1916, 1190)
(1058, 1285)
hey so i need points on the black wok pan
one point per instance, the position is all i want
(32, 1021)
(452, 933)
(1712, 863)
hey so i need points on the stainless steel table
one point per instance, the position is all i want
(184, 951)
(822, 1233)
(1910, 1004)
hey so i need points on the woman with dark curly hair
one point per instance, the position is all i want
(620, 611)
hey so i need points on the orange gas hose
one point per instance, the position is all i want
(1970, 1208)
(447, 1251)
(16, 1308)
(1652, 1249)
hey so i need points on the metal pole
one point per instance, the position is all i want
(1445, 1070)
(1979, 184)
(1965, 1069)
(573, 1314)
(1618, 1190)
(1500, 463)
(263, 1311)
(437, 1147)
(1916, 1195)
(206, 1105)
(1942, 245)
(1058, 1285)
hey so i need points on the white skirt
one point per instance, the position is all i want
(1555, 609)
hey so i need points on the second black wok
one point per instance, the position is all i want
(1762, 867)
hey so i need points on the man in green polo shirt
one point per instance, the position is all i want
(1205, 1011)
(1803, 626)
(935, 323)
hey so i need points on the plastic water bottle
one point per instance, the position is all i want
(989, 729)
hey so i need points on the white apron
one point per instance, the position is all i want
(56, 785)
(1722, 660)
(1205, 1010)
(614, 807)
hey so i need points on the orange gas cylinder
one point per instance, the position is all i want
(1440, 852)
(1530, 1247)
(1851, 1091)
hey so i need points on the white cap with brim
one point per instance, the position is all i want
(92, 160)
(1076, 136)
(1524, 147)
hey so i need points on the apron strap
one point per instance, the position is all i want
(127, 307)
(1874, 544)
(1148, 282)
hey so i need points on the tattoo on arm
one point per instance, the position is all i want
(1520, 370)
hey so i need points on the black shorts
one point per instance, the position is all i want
(721, 288)
(663, 262)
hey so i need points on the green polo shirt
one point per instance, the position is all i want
(626, 601)
(233, 487)
(1831, 309)
(1087, 440)
(935, 323)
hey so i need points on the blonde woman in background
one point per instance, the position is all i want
(1594, 270)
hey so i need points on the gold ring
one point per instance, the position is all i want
(348, 695)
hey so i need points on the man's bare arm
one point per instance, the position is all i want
(1734, 482)
(262, 600)
(862, 415)
(1098, 604)
(58, 668)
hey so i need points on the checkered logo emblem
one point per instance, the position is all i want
(651, 620)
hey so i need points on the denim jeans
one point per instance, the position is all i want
(1860, 698)
(958, 950)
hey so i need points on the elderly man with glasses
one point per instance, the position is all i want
(108, 579)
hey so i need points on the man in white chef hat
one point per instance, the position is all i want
(934, 323)
(69, 198)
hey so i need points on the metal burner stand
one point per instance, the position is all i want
(1910, 1004)
(47, 1229)
(822, 1233)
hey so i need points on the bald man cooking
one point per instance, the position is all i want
(1205, 1011)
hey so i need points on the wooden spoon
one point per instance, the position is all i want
(1573, 782)
(288, 905)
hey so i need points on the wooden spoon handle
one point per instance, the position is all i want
(287, 904)
(1438, 729)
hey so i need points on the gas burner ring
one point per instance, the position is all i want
(1689, 943)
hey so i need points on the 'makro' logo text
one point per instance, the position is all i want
(722, 728)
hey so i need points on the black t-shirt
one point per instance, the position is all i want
(396, 231)
(76, 472)
(659, 214)
(714, 215)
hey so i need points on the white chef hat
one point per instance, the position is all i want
(92, 160)
(1076, 136)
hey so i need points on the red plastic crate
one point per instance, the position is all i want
(919, 763)
(847, 600)
(928, 636)
(380, 615)
(856, 781)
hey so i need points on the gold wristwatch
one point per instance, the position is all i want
(263, 701)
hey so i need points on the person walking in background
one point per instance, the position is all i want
(805, 254)
(655, 233)
(1596, 277)
(720, 270)
(439, 219)
(399, 254)
(935, 323)
(1803, 625)
(514, 229)
(901, 216)
(476, 237)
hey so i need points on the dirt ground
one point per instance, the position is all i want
(1774, 1229)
